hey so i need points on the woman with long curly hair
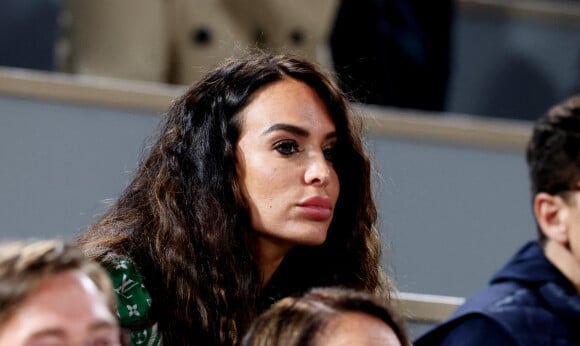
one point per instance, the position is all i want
(256, 187)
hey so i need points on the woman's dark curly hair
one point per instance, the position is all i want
(184, 222)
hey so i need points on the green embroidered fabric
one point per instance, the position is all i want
(133, 303)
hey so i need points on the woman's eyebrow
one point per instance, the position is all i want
(299, 131)
(331, 135)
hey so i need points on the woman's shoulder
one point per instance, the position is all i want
(133, 298)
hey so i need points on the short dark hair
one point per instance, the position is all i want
(298, 321)
(553, 152)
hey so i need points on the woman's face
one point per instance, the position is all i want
(285, 167)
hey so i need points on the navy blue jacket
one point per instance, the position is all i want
(528, 302)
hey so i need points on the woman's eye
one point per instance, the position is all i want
(286, 147)
(330, 154)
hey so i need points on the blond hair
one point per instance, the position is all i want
(24, 264)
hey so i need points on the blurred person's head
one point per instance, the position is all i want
(50, 294)
(553, 157)
(328, 317)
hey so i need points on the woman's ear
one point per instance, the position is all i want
(552, 214)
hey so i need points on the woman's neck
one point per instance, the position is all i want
(267, 269)
(270, 253)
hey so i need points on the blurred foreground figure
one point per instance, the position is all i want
(534, 299)
(50, 294)
(328, 317)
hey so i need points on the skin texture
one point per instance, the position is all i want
(559, 220)
(355, 328)
(285, 159)
(573, 205)
(65, 309)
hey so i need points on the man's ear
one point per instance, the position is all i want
(552, 214)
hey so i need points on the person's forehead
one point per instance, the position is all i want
(359, 328)
(287, 100)
(72, 281)
(63, 304)
(66, 296)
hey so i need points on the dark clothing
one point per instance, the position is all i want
(528, 302)
(477, 329)
(28, 33)
(394, 52)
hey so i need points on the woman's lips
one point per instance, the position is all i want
(317, 208)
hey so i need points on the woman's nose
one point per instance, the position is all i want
(317, 170)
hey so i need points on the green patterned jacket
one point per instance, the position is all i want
(133, 303)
